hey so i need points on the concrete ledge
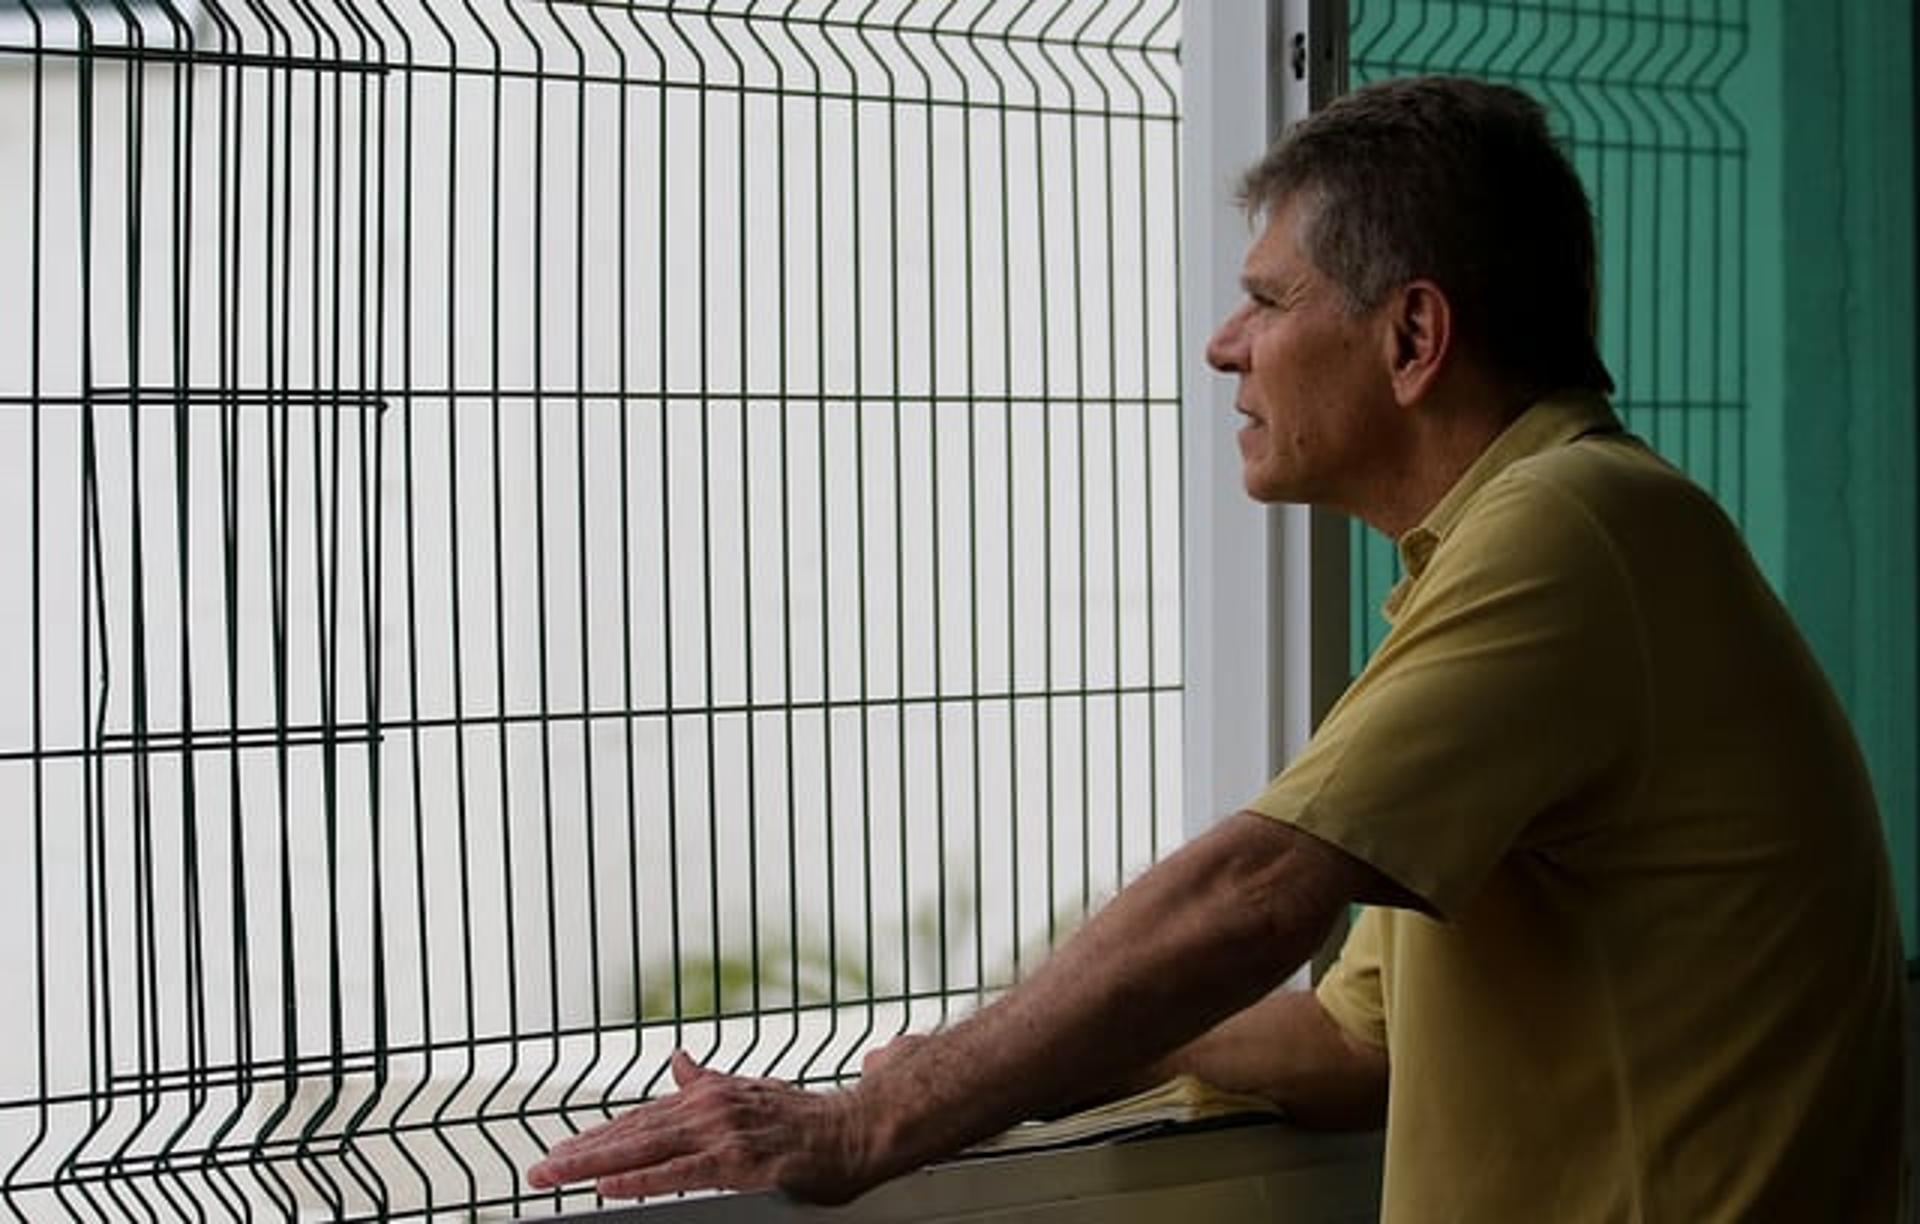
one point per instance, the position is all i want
(1265, 1171)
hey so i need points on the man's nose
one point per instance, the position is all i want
(1226, 351)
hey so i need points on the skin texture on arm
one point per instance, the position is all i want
(1200, 936)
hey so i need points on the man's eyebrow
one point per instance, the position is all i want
(1263, 286)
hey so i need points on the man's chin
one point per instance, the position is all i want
(1265, 489)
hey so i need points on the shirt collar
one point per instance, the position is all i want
(1554, 421)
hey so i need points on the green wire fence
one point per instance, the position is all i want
(1639, 91)
(544, 533)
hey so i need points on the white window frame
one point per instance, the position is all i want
(1266, 588)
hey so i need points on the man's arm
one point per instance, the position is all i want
(1287, 1049)
(1200, 936)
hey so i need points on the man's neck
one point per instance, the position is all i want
(1445, 436)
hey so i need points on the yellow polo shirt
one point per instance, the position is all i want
(1663, 977)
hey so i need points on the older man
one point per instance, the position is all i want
(1630, 950)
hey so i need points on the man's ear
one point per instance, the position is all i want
(1419, 338)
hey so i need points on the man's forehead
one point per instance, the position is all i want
(1276, 252)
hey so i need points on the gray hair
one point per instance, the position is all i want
(1456, 181)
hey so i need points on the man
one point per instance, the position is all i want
(1631, 949)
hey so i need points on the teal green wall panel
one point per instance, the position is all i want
(1847, 392)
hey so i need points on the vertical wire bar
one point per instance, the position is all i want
(1713, 390)
(965, 122)
(1734, 290)
(279, 535)
(325, 609)
(1740, 300)
(1046, 406)
(665, 370)
(1628, 390)
(496, 496)
(624, 408)
(144, 948)
(94, 704)
(900, 544)
(232, 333)
(784, 405)
(370, 387)
(869, 968)
(828, 806)
(899, 556)
(326, 429)
(1692, 403)
(860, 568)
(1074, 243)
(708, 721)
(195, 1029)
(365, 403)
(542, 630)
(589, 817)
(938, 712)
(1008, 542)
(1656, 222)
(1116, 675)
(751, 731)
(676, 718)
(469, 1008)
(751, 671)
(37, 619)
(975, 679)
(323, 639)
(782, 252)
(411, 589)
(1155, 812)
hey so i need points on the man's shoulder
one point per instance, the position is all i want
(1610, 485)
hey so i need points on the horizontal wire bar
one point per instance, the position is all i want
(1627, 403)
(1624, 17)
(217, 59)
(199, 58)
(167, 397)
(267, 1072)
(962, 33)
(160, 398)
(122, 743)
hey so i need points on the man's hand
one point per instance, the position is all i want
(721, 1132)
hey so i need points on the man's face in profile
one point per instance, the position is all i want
(1312, 371)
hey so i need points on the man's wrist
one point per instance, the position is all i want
(879, 1131)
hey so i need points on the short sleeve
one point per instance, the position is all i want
(1351, 991)
(1512, 682)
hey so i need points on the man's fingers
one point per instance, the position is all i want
(645, 1132)
(648, 1113)
(634, 1147)
(694, 1171)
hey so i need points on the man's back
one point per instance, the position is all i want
(1668, 983)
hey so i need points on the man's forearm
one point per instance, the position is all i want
(1288, 1049)
(1200, 936)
